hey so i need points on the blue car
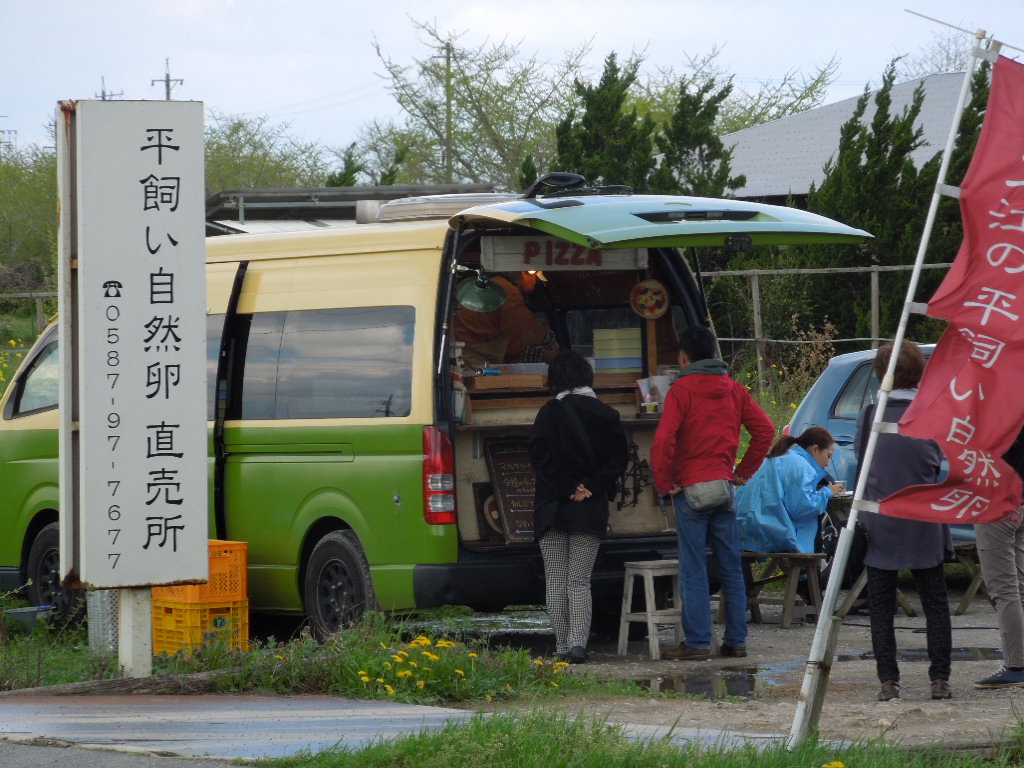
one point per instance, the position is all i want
(834, 402)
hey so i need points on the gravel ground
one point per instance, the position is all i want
(758, 694)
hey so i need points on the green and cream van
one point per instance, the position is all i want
(362, 461)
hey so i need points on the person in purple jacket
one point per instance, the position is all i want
(895, 543)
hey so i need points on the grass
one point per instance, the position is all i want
(536, 739)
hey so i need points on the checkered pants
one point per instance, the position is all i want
(568, 561)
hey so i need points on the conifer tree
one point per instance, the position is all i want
(605, 141)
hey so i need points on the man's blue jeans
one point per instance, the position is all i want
(719, 529)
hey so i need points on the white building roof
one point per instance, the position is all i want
(785, 156)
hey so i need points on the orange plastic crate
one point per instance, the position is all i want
(185, 626)
(229, 577)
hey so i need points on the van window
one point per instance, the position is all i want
(40, 387)
(329, 363)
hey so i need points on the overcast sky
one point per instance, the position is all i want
(311, 63)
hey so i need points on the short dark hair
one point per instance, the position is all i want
(698, 343)
(909, 365)
(569, 370)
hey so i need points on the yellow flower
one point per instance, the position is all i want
(560, 665)
(363, 672)
(834, 764)
(420, 683)
(279, 656)
(431, 656)
(473, 655)
(793, 406)
(489, 697)
(422, 640)
(538, 662)
(403, 653)
(387, 665)
(389, 689)
(509, 687)
(460, 672)
(404, 673)
(413, 663)
(380, 679)
(398, 658)
(445, 644)
(554, 684)
(364, 678)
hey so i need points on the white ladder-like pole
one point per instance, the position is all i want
(812, 691)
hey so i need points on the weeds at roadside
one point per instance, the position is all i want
(537, 739)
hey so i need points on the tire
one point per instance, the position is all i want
(43, 572)
(338, 588)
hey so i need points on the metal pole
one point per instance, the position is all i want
(805, 719)
(448, 112)
(755, 290)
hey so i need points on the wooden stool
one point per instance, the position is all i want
(651, 616)
(790, 565)
(967, 554)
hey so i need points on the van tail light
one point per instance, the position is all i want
(438, 478)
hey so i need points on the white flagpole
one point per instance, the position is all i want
(819, 662)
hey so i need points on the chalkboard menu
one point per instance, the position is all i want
(512, 476)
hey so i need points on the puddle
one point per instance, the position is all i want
(921, 654)
(722, 682)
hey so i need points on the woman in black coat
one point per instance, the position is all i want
(578, 451)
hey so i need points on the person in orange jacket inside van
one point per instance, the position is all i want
(509, 334)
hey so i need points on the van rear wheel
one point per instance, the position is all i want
(338, 588)
(44, 586)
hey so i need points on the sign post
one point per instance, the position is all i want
(133, 457)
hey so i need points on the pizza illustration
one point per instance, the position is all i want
(649, 299)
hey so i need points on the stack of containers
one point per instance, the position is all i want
(184, 616)
(618, 350)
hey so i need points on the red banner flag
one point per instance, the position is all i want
(970, 399)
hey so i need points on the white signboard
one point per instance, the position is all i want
(551, 254)
(139, 302)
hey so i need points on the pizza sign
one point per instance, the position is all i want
(551, 254)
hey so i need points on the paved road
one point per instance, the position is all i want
(224, 727)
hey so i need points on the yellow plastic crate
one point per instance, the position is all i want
(185, 626)
(229, 577)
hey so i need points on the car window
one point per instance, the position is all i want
(861, 389)
(39, 390)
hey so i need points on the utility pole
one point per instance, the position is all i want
(448, 112)
(167, 80)
(7, 138)
(104, 94)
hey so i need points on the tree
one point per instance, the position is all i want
(28, 219)
(253, 153)
(949, 51)
(693, 159)
(351, 168)
(604, 140)
(472, 114)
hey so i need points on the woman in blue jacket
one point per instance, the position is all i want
(780, 507)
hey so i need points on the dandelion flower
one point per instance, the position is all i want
(431, 656)
(420, 683)
(404, 673)
(489, 697)
(413, 663)
(445, 644)
(364, 678)
(460, 672)
(423, 640)
(363, 672)
(473, 655)
(834, 764)
(538, 662)
(389, 689)
(554, 684)
(398, 658)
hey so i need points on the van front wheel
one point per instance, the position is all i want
(338, 589)
(44, 587)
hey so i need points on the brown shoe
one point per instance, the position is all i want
(686, 653)
(941, 690)
(735, 651)
(890, 690)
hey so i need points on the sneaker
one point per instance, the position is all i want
(577, 655)
(735, 651)
(1004, 678)
(941, 690)
(890, 690)
(686, 653)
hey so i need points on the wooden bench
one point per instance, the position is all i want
(967, 554)
(785, 567)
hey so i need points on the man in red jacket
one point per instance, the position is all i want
(694, 462)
